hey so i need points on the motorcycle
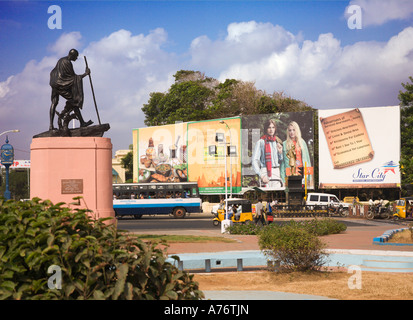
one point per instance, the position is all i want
(379, 211)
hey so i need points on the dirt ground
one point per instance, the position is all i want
(337, 285)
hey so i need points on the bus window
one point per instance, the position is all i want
(124, 195)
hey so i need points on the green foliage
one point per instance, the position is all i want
(406, 133)
(188, 99)
(127, 163)
(318, 227)
(244, 229)
(17, 183)
(97, 261)
(293, 246)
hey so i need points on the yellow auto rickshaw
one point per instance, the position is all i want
(404, 208)
(240, 211)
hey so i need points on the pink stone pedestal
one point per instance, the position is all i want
(66, 167)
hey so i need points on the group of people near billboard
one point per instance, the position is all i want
(273, 159)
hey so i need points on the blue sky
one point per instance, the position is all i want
(25, 22)
(302, 48)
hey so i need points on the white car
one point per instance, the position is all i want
(325, 199)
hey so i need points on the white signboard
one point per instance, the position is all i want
(17, 164)
(359, 148)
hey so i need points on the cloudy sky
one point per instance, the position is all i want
(330, 54)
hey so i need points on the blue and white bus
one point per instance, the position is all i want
(137, 199)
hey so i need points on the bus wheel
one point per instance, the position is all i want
(179, 213)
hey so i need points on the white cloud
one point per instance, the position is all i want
(245, 41)
(323, 73)
(378, 12)
(66, 42)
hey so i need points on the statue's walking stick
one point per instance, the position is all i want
(93, 93)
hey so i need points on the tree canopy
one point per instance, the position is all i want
(195, 97)
(406, 135)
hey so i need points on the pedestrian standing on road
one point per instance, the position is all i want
(230, 212)
(258, 210)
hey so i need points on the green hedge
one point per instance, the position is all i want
(319, 227)
(95, 260)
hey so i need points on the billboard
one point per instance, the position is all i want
(275, 146)
(257, 151)
(160, 154)
(359, 147)
(208, 158)
(189, 152)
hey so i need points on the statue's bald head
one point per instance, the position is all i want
(73, 54)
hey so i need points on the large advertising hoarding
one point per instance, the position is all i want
(276, 145)
(359, 148)
(189, 152)
(208, 157)
(160, 154)
(265, 149)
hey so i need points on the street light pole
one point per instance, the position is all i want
(230, 158)
(227, 222)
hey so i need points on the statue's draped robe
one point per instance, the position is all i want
(66, 83)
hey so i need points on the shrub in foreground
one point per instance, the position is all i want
(294, 247)
(95, 259)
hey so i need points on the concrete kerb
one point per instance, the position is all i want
(384, 261)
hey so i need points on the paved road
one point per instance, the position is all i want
(199, 222)
(146, 223)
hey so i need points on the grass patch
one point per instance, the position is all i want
(181, 238)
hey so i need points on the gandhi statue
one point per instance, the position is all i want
(66, 83)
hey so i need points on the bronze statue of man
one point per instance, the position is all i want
(66, 83)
